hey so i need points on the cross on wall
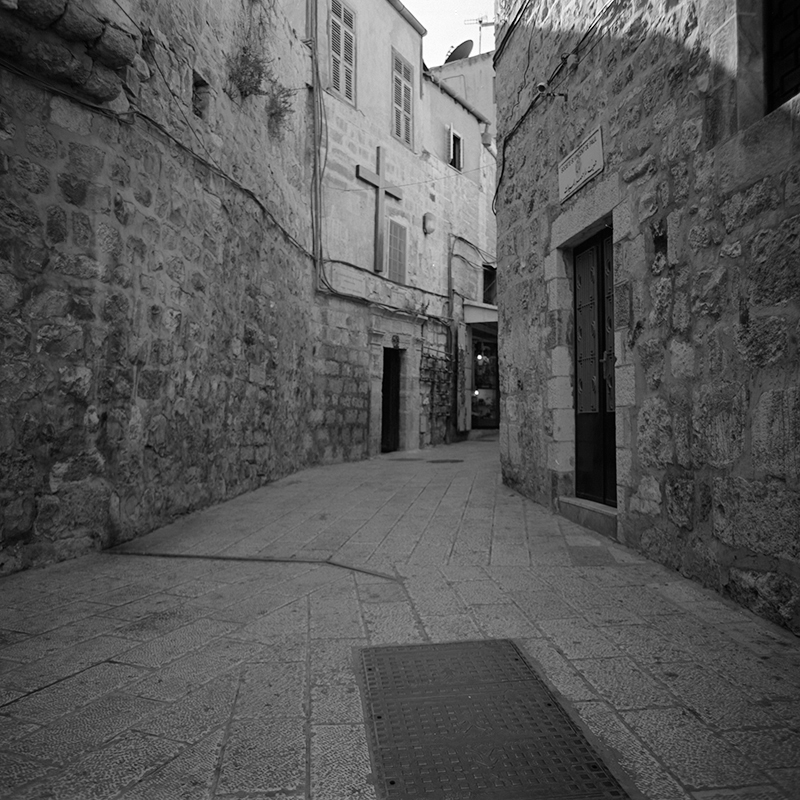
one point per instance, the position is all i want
(382, 189)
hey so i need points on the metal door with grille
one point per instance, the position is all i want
(595, 425)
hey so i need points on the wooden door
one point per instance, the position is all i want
(595, 424)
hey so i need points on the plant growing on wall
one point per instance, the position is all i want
(249, 72)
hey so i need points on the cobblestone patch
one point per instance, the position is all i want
(188, 776)
(104, 773)
(84, 730)
(68, 695)
(623, 684)
(265, 755)
(690, 750)
(342, 764)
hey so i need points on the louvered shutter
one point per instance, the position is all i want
(402, 100)
(343, 50)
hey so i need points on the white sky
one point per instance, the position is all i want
(444, 20)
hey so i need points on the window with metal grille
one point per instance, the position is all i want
(397, 252)
(781, 51)
(343, 50)
(402, 82)
(455, 149)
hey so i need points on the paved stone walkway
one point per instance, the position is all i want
(153, 677)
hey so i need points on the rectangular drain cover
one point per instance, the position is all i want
(472, 721)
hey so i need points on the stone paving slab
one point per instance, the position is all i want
(142, 676)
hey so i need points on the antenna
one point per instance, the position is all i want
(481, 22)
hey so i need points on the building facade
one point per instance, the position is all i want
(649, 280)
(226, 238)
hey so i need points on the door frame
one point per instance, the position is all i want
(597, 429)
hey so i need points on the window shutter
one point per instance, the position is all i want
(402, 100)
(396, 241)
(449, 143)
(336, 54)
(343, 50)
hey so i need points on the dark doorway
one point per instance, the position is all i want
(390, 415)
(485, 377)
(595, 427)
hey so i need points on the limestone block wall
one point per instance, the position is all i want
(701, 191)
(161, 349)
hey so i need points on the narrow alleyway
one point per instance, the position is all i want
(223, 666)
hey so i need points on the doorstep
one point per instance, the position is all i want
(595, 516)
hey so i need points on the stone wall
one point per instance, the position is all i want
(159, 335)
(702, 192)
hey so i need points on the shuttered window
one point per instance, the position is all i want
(343, 50)
(402, 82)
(397, 252)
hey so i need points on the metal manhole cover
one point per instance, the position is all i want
(472, 721)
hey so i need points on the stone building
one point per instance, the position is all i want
(649, 279)
(202, 287)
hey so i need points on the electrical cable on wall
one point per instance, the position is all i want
(616, 5)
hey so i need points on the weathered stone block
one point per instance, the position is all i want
(680, 501)
(747, 205)
(17, 518)
(73, 188)
(103, 84)
(774, 277)
(23, 216)
(625, 386)
(61, 63)
(56, 224)
(647, 498)
(41, 13)
(710, 292)
(718, 423)
(10, 292)
(15, 35)
(116, 48)
(661, 299)
(776, 433)
(70, 116)
(30, 176)
(682, 359)
(758, 516)
(774, 596)
(654, 429)
(651, 357)
(762, 340)
(76, 24)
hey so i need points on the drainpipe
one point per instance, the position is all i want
(452, 333)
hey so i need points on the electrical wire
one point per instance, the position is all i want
(129, 118)
(416, 183)
(616, 5)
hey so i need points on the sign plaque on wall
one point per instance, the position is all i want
(581, 165)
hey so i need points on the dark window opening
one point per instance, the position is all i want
(456, 152)
(781, 51)
(201, 95)
(489, 285)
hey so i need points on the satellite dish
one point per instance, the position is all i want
(462, 51)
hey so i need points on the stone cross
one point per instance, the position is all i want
(376, 179)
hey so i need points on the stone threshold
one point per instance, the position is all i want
(595, 516)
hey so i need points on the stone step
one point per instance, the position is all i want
(596, 516)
